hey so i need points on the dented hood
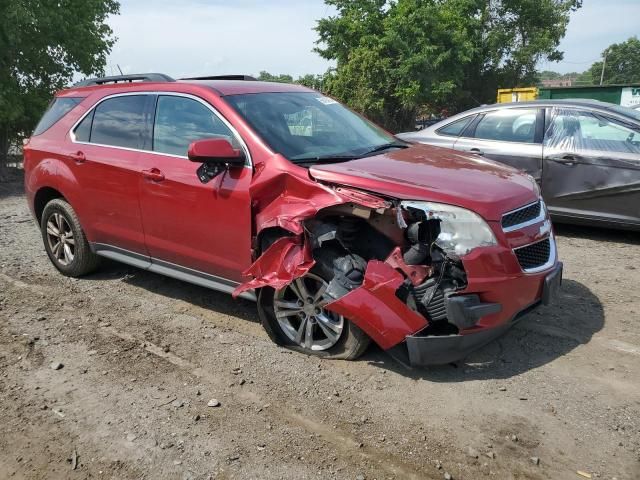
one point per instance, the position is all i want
(423, 172)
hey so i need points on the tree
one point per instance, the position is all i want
(308, 80)
(622, 63)
(394, 57)
(282, 78)
(43, 43)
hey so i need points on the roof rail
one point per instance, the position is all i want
(247, 78)
(135, 77)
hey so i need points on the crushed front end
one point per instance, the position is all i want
(428, 282)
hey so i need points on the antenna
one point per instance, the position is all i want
(119, 69)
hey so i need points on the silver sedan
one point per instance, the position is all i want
(584, 154)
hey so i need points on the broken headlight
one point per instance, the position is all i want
(461, 230)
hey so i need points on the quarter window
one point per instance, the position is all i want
(180, 121)
(118, 121)
(508, 125)
(454, 129)
(57, 109)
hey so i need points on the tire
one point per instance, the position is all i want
(65, 241)
(351, 341)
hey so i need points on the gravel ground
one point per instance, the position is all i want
(111, 376)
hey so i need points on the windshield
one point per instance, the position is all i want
(626, 111)
(309, 126)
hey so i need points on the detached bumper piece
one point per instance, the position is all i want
(463, 310)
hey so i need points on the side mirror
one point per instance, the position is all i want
(215, 154)
(215, 150)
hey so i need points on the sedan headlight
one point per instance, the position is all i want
(461, 230)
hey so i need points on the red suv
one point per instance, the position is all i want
(276, 193)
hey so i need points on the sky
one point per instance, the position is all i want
(214, 37)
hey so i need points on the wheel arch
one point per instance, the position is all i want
(43, 196)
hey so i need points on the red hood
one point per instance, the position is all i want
(423, 172)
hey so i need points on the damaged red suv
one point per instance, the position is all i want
(342, 233)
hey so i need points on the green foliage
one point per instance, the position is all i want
(42, 44)
(395, 57)
(623, 64)
(308, 80)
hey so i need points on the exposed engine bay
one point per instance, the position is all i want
(403, 238)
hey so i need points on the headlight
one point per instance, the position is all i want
(461, 230)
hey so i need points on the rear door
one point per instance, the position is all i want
(509, 135)
(198, 227)
(592, 166)
(104, 160)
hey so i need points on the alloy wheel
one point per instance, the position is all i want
(299, 310)
(60, 237)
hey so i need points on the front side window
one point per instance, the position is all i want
(454, 129)
(58, 108)
(180, 121)
(508, 125)
(118, 121)
(576, 131)
(308, 126)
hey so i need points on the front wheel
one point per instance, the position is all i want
(295, 317)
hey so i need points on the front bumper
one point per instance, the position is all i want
(420, 350)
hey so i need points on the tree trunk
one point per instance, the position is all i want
(4, 153)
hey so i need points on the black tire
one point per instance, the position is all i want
(83, 260)
(352, 343)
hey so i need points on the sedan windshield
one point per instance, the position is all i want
(309, 127)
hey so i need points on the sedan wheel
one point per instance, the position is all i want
(299, 311)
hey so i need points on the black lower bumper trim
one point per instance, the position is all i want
(440, 350)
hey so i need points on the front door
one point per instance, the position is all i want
(203, 227)
(591, 166)
(512, 136)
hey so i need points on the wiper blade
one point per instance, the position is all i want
(383, 147)
(327, 158)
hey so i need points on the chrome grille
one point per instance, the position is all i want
(534, 255)
(522, 215)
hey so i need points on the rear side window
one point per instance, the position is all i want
(180, 121)
(57, 109)
(118, 121)
(454, 129)
(508, 125)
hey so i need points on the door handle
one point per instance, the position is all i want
(568, 160)
(78, 157)
(153, 174)
(477, 151)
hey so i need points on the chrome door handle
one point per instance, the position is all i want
(477, 151)
(153, 174)
(568, 160)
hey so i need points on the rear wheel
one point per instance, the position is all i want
(295, 317)
(65, 241)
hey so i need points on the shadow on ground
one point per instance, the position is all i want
(171, 288)
(539, 338)
(597, 234)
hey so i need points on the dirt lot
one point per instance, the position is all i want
(142, 356)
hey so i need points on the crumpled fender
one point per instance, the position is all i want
(285, 197)
(286, 259)
(375, 308)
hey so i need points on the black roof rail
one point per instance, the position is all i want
(247, 78)
(135, 77)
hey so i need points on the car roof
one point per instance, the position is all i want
(576, 102)
(219, 87)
